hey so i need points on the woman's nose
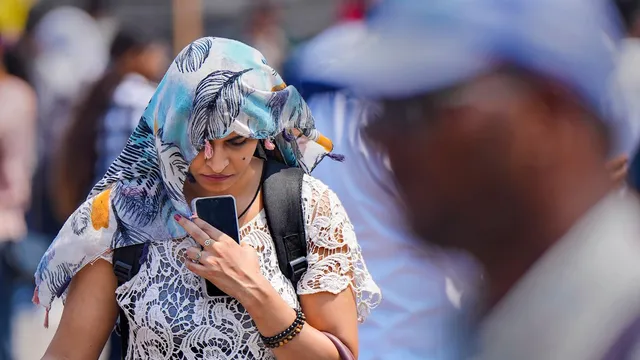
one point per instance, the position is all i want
(218, 161)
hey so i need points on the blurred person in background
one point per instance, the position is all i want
(13, 16)
(100, 11)
(498, 124)
(352, 10)
(265, 33)
(425, 289)
(17, 161)
(69, 54)
(106, 118)
(19, 57)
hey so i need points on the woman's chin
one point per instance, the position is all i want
(216, 187)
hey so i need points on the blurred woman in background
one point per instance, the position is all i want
(266, 33)
(107, 117)
(17, 160)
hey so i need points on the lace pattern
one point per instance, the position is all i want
(334, 256)
(170, 318)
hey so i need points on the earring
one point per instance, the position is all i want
(208, 151)
(269, 145)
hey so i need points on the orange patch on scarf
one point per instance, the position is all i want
(279, 87)
(100, 210)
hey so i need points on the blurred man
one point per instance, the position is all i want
(17, 159)
(498, 128)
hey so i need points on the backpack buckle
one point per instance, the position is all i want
(122, 271)
(297, 268)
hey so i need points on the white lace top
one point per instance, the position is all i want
(171, 319)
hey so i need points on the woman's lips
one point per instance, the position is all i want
(216, 177)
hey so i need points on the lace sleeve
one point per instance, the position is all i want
(334, 256)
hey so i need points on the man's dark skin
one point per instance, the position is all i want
(502, 167)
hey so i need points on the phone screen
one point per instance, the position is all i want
(219, 212)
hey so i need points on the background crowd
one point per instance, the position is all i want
(75, 77)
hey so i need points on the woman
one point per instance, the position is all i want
(217, 105)
(106, 118)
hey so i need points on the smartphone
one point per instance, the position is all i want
(219, 212)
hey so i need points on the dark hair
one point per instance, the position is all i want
(77, 157)
(13, 62)
(96, 7)
(37, 13)
(17, 56)
(628, 10)
(128, 39)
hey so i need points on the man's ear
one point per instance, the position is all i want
(618, 168)
(634, 29)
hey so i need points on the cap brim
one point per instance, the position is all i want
(378, 64)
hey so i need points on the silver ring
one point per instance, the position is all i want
(198, 256)
(208, 242)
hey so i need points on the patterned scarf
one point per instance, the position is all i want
(214, 87)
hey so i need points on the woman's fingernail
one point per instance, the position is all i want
(177, 217)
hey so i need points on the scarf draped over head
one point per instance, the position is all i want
(214, 87)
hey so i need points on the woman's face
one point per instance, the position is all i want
(229, 162)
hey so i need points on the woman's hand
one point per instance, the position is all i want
(235, 269)
(232, 268)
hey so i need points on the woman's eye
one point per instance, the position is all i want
(238, 142)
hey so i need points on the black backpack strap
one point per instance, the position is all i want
(126, 264)
(282, 199)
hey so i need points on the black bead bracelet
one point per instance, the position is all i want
(288, 334)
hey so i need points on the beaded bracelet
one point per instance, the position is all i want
(288, 334)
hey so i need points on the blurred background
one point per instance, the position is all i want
(74, 80)
(71, 60)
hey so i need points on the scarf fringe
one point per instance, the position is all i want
(336, 157)
(36, 301)
(287, 137)
(46, 318)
